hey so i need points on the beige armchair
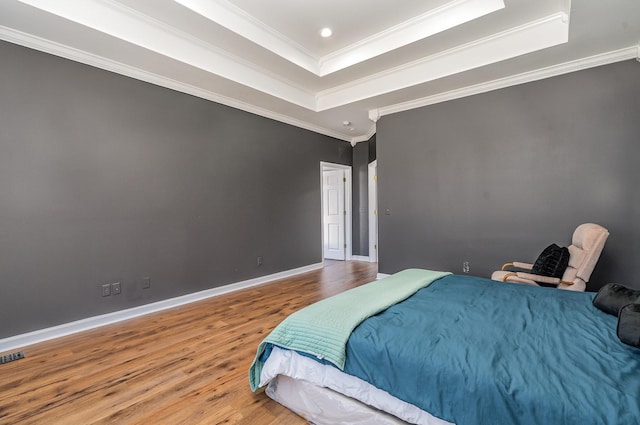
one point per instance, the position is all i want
(584, 251)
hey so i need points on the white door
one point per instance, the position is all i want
(333, 214)
(373, 212)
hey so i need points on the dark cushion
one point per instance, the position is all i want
(552, 262)
(613, 296)
(629, 325)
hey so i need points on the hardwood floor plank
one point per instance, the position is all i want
(187, 365)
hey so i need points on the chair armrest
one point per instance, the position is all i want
(524, 266)
(517, 264)
(543, 279)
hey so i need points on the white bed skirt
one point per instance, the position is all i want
(327, 396)
(322, 406)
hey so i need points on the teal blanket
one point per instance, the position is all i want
(475, 351)
(322, 329)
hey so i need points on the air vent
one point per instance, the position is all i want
(11, 357)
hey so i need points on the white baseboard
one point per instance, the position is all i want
(382, 276)
(41, 335)
(359, 258)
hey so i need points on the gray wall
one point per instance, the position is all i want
(372, 148)
(499, 176)
(360, 195)
(104, 178)
(363, 154)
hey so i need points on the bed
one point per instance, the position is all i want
(433, 348)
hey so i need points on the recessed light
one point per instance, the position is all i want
(326, 32)
(346, 123)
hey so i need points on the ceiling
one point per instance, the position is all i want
(268, 58)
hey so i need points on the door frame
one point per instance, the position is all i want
(347, 205)
(373, 210)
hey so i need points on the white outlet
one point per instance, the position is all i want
(465, 267)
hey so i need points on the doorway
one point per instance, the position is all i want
(336, 211)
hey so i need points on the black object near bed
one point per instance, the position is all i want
(623, 303)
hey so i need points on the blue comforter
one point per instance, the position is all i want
(474, 351)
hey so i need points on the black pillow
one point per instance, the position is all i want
(629, 325)
(613, 296)
(552, 262)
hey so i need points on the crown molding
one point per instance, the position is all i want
(364, 137)
(124, 23)
(536, 35)
(61, 50)
(67, 52)
(237, 20)
(627, 53)
(437, 20)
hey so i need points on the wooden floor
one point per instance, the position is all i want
(187, 365)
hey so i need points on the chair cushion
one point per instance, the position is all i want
(576, 256)
(589, 238)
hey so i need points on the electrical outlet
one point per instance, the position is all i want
(146, 282)
(106, 290)
(116, 288)
(260, 260)
(465, 267)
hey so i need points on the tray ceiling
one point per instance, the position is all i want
(268, 57)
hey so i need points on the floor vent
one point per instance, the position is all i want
(11, 357)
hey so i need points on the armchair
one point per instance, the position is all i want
(586, 245)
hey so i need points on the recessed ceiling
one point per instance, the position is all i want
(267, 57)
(292, 35)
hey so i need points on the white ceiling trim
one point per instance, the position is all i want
(134, 27)
(67, 52)
(432, 22)
(237, 20)
(364, 137)
(525, 77)
(540, 34)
